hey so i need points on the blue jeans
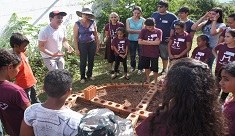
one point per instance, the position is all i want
(87, 53)
(134, 47)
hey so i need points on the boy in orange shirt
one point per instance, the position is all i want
(25, 77)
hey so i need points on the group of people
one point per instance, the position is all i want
(190, 104)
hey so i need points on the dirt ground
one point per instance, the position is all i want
(127, 96)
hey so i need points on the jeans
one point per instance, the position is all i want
(134, 47)
(87, 53)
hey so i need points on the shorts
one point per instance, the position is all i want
(150, 63)
(54, 63)
(163, 51)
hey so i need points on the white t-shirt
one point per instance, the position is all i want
(47, 122)
(53, 38)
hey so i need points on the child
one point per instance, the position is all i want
(225, 53)
(149, 39)
(202, 52)
(25, 77)
(110, 34)
(190, 105)
(227, 83)
(180, 43)
(52, 117)
(13, 99)
(120, 46)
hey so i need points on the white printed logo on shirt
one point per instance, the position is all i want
(3, 106)
(226, 57)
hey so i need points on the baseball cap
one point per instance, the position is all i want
(184, 9)
(56, 12)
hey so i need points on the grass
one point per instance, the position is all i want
(100, 72)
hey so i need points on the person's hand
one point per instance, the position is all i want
(176, 56)
(216, 17)
(171, 56)
(77, 52)
(112, 48)
(58, 54)
(122, 56)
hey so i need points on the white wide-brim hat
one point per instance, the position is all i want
(85, 11)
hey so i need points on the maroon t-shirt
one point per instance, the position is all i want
(202, 54)
(225, 55)
(229, 110)
(112, 28)
(12, 99)
(144, 128)
(180, 43)
(150, 50)
(121, 44)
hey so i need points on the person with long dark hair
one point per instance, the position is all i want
(211, 24)
(190, 105)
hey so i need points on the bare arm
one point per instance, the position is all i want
(146, 42)
(97, 41)
(67, 46)
(169, 48)
(200, 23)
(214, 52)
(26, 130)
(189, 45)
(131, 31)
(75, 37)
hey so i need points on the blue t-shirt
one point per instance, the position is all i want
(188, 25)
(86, 34)
(135, 25)
(164, 22)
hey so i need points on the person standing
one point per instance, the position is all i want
(110, 34)
(86, 42)
(211, 24)
(51, 38)
(134, 25)
(13, 99)
(149, 39)
(163, 21)
(230, 24)
(25, 77)
(183, 14)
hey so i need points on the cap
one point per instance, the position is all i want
(184, 9)
(55, 13)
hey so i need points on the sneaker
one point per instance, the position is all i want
(139, 72)
(82, 81)
(92, 78)
(132, 69)
(114, 76)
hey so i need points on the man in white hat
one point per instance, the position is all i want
(51, 38)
